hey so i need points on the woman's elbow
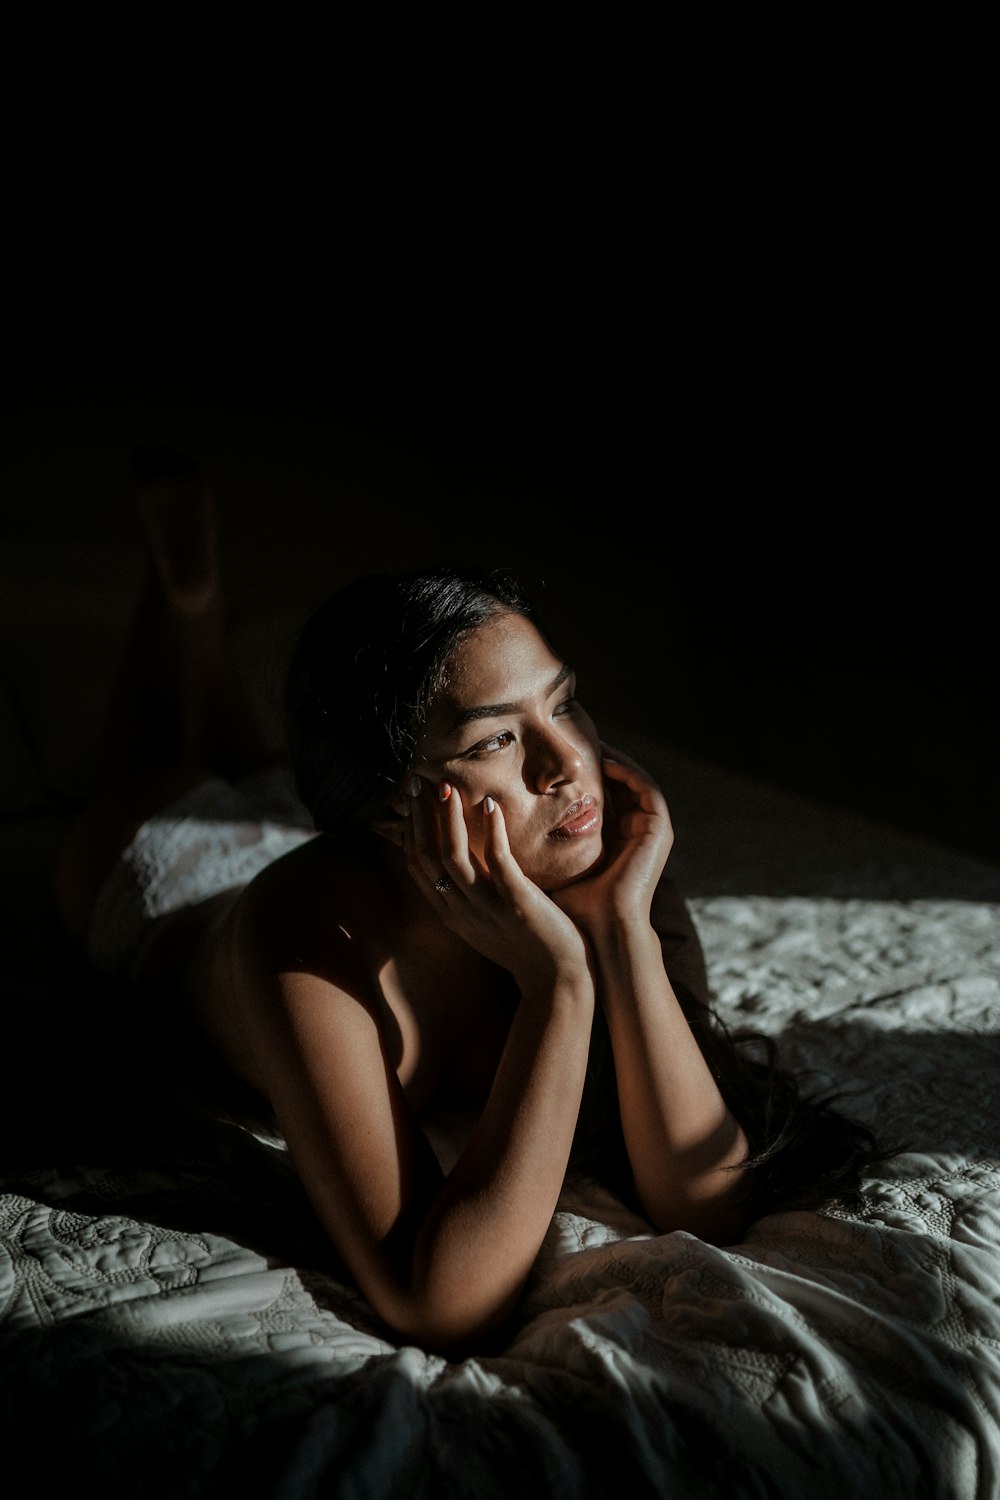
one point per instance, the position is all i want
(721, 1220)
(452, 1326)
(712, 1201)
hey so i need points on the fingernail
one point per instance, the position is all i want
(414, 786)
(444, 791)
(490, 804)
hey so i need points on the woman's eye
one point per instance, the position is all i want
(567, 706)
(489, 747)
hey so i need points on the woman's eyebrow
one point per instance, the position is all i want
(497, 710)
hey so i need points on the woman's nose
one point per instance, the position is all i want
(552, 759)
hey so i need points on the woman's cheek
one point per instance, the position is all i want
(590, 748)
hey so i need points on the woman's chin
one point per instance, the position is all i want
(573, 864)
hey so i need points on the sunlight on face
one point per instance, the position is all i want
(506, 724)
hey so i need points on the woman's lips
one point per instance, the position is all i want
(581, 818)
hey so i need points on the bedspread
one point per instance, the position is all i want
(171, 1326)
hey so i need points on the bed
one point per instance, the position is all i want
(173, 1324)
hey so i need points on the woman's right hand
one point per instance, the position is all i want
(491, 904)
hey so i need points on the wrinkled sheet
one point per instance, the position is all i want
(171, 1326)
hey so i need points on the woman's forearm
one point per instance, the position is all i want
(684, 1146)
(481, 1234)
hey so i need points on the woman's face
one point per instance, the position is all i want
(506, 725)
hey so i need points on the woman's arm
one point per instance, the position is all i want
(441, 1259)
(684, 1146)
(682, 1141)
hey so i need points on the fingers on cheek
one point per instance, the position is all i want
(494, 826)
(450, 817)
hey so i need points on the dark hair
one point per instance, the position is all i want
(364, 670)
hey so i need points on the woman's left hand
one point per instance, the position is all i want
(638, 837)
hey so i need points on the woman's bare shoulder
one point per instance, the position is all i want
(318, 917)
(298, 916)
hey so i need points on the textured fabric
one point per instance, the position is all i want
(214, 838)
(179, 1313)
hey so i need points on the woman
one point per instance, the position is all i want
(477, 917)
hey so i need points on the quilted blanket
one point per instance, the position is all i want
(172, 1324)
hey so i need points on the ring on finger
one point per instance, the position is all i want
(442, 885)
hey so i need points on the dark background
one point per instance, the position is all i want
(697, 348)
(784, 581)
